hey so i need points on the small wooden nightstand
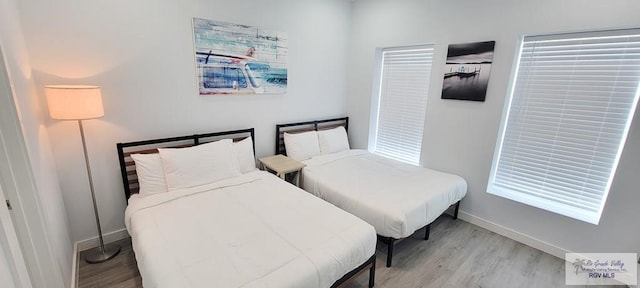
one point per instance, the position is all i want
(282, 165)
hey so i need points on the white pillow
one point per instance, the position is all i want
(333, 140)
(150, 174)
(244, 153)
(302, 146)
(199, 165)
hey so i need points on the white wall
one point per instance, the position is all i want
(29, 109)
(460, 135)
(141, 53)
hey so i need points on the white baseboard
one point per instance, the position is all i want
(515, 235)
(520, 237)
(107, 238)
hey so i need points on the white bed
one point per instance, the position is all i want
(396, 198)
(249, 230)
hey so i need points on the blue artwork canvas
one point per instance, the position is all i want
(239, 59)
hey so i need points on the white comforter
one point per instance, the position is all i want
(394, 197)
(250, 231)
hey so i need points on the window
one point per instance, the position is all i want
(223, 77)
(401, 102)
(566, 120)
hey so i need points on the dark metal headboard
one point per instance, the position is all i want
(300, 127)
(128, 166)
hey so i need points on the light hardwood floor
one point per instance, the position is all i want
(458, 254)
(119, 272)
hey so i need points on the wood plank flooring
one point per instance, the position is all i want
(119, 272)
(458, 254)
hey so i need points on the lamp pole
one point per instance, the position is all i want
(93, 193)
(101, 254)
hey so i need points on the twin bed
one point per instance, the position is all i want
(241, 228)
(396, 198)
(201, 215)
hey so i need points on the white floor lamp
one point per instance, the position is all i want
(80, 102)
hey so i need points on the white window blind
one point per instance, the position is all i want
(564, 127)
(402, 102)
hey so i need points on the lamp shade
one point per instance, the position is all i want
(74, 102)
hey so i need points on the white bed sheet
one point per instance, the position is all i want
(249, 231)
(396, 198)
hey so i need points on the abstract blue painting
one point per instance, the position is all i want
(239, 59)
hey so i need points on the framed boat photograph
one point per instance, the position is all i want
(466, 75)
(239, 59)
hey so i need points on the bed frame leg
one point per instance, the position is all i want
(426, 232)
(372, 272)
(455, 212)
(389, 250)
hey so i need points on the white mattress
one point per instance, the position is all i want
(396, 198)
(250, 231)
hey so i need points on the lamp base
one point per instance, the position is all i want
(94, 255)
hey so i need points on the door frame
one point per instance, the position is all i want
(11, 247)
(31, 260)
